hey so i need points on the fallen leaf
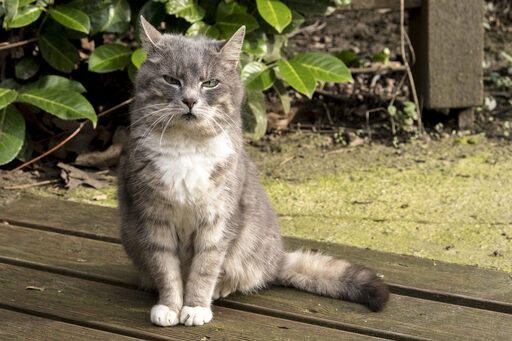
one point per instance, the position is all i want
(106, 158)
(74, 177)
(100, 197)
(30, 287)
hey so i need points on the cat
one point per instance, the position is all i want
(195, 219)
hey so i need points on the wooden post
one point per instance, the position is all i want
(447, 36)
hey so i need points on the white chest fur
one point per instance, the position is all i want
(185, 165)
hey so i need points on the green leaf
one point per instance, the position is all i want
(186, 9)
(324, 67)
(225, 9)
(132, 72)
(277, 14)
(274, 45)
(27, 149)
(233, 22)
(98, 12)
(322, 7)
(11, 10)
(65, 104)
(153, 12)
(200, 28)
(138, 57)
(12, 133)
(109, 57)
(7, 96)
(282, 92)
(254, 115)
(258, 76)
(256, 47)
(58, 52)
(25, 16)
(72, 18)
(118, 18)
(392, 111)
(382, 56)
(26, 68)
(56, 82)
(298, 76)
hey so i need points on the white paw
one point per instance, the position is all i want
(195, 316)
(162, 316)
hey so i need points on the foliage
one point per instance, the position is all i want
(102, 36)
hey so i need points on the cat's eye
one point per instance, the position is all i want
(211, 83)
(171, 80)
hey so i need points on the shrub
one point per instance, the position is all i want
(61, 40)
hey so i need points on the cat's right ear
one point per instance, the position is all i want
(149, 35)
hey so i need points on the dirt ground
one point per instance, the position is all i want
(337, 178)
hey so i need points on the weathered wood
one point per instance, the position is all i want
(447, 36)
(377, 4)
(121, 310)
(18, 326)
(466, 118)
(105, 259)
(435, 278)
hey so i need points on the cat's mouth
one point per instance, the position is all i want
(189, 116)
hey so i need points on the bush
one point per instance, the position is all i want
(66, 43)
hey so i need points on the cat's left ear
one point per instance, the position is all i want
(231, 49)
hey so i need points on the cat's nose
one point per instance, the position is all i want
(189, 102)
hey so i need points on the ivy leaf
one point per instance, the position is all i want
(320, 7)
(277, 14)
(58, 52)
(200, 28)
(324, 67)
(282, 92)
(118, 19)
(65, 104)
(138, 57)
(298, 76)
(25, 16)
(233, 22)
(11, 10)
(12, 133)
(254, 115)
(186, 9)
(7, 96)
(225, 9)
(97, 11)
(71, 18)
(56, 82)
(256, 47)
(26, 68)
(109, 57)
(258, 76)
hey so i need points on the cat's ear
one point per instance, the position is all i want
(231, 49)
(149, 35)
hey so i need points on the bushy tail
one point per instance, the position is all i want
(327, 276)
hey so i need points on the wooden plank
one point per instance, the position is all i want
(18, 326)
(469, 286)
(378, 4)
(448, 38)
(120, 310)
(432, 320)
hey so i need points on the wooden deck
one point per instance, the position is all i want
(64, 275)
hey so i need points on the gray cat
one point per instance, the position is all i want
(195, 219)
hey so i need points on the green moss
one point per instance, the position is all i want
(442, 200)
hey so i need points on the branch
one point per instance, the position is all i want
(67, 139)
(6, 45)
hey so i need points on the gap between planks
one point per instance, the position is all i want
(404, 290)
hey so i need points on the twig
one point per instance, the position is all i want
(381, 69)
(408, 68)
(41, 183)
(67, 139)
(282, 163)
(316, 26)
(6, 45)
(328, 112)
(108, 111)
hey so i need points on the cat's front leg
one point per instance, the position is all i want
(209, 248)
(167, 277)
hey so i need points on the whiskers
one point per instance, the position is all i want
(216, 119)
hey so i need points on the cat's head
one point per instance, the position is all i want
(189, 84)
